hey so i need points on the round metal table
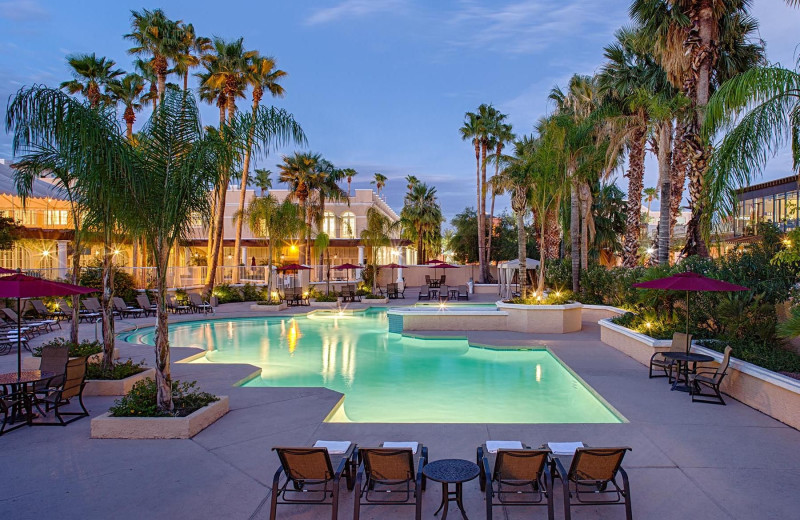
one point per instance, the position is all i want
(19, 384)
(683, 359)
(451, 471)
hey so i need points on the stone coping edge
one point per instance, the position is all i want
(501, 305)
(107, 427)
(96, 387)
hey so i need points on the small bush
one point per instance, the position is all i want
(124, 287)
(762, 354)
(326, 298)
(141, 400)
(82, 349)
(251, 293)
(374, 297)
(118, 370)
(553, 298)
(226, 293)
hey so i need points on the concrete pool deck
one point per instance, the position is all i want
(688, 460)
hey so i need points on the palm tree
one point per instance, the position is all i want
(349, 173)
(377, 233)
(474, 130)
(421, 219)
(158, 39)
(412, 181)
(263, 180)
(262, 75)
(650, 194)
(501, 134)
(191, 51)
(321, 243)
(128, 91)
(145, 70)
(379, 181)
(91, 77)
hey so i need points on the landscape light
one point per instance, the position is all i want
(650, 250)
(116, 252)
(46, 252)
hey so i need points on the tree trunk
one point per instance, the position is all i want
(478, 209)
(633, 220)
(552, 234)
(574, 235)
(163, 375)
(542, 247)
(491, 231)
(107, 303)
(585, 199)
(484, 261)
(76, 278)
(677, 174)
(237, 247)
(186, 82)
(160, 68)
(522, 253)
(219, 222)
(665, 178)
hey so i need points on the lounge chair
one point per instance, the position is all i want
(710, 380)
(442, 279)
(516, 477)
(93, 306)
(175, 307)
(70, 388)
(144, 303)
(44, 313)
(659, 362)
(424, 292)
(83, 315)
(463, 292)
(38, 326)
(388, 477)
(312, 477)
(592, 479)
(198, 304)
(124, 309)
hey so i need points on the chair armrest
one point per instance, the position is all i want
(276, 479)
(561, 471)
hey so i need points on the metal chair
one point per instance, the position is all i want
(60, 396)
(388, 477)
(592, 480)
(520, 478)
(659, 362)
(711, 380)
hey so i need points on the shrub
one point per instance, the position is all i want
(118, 370)
(181, 296)
(92, 276)
(250, 292)
(758, 353)
(82, 349)
(141, 400)
(226, 293)
(326, 297)
(374, 297)
(553, 298)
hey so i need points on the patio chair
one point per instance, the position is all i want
(144, 303)
(175, 307)
(592, 479)
(44, 313)
(124, 309)
(659, 362)
(54, 359)
(388, 477)
(83, 315)
(312, 477)
(93, 307)
(60, 396)
(424, 292)
(710, 380)
(463, 292)
(443, 279)
(348, 294)
(302, 297)
(520, 477)
(200, 305)
(9, 403)
(392, 291)
(427, 280)
(37, 326)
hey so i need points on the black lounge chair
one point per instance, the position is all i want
(41, 326)
(58, 396)
(44, 313)
(312, 477)
(175, 307)
(592, 480)
(659, 362)
(710, 380)
(198, 304)
(388, 477)
(520, 477)
(124, 309)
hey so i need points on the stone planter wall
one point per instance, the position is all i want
(375, 301)
(107, 427)
(547, 319)
(116, 386)
(327, 305)
(33, 363)
(774, 394)
(268, 308)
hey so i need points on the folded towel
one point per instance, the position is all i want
(564, 448)
(334, 447)
(412, 445)
(493, 446)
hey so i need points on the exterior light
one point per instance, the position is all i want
(558, 293)
(46, 253)
(648, 324)
(292, 248)
(787, 242)
(650, 250)
(116, 252)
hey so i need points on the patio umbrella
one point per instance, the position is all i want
(20, 286)
(294, 267)
(346, 267)
(689, 282)
(391, 266)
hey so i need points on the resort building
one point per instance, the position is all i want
(773, 201)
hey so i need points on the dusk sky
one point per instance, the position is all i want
(378, 85)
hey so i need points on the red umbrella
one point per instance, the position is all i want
(3, 270)
(294, 267)
(392, 266)
(346, 267)
(19, 286)
(689, 281)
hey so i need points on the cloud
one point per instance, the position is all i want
(23, 10)
(353, 9)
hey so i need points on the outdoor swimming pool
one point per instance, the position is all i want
(392, 378)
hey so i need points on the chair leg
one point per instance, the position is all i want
(335, 501)
(626, 494)
(273, 506)
(567, 512)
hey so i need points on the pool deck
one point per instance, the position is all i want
(688, 460)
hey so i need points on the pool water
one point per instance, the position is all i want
(392, 378)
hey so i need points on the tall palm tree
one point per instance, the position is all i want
(158, 39)
(262, 75)
(474, 129)
(145, 70)
(412, 181)
(650, 194)
(349, 173)
(379, 180)
(91, 77)
(191, 51)
(128, 91)
(263, 180)
(421, 220)
(501, 134)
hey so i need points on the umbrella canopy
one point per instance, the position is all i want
(346, 266)
(294, 267)
(434, 261)
(391, 266)
(19, 286)
(689, 282)
(446, 266)
(3, 270)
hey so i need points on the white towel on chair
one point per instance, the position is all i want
(412, 445)
(334, 447)
(493, 446)
(564, 448)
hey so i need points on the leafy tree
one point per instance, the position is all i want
(378, 233)
(10, 232)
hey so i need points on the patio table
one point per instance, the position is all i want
(451, 471)
(433, 284)
(20, 385)
(683, 360)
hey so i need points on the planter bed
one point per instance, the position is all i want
(774, 394)
(269, 308)
(374, 301)
(116, 386)
(107, 427)
(548, 319)
(33, 363)
(327, 305)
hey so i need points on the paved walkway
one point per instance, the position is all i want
(688, 460)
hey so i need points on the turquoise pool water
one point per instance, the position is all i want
(391, 378)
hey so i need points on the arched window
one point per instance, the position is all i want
(348, 225)
(329, 224)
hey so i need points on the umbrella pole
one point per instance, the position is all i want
(19, 340)
(687, 322)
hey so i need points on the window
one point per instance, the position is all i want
(348, 225)
(56, 217)
(329, 224)
(769, 210)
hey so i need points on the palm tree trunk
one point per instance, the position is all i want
(478, 213)
(665, 177)
(482, 222)
(217, 237)
(163, 376)
(237, 247)
(552, 234)
(585, 198)
(491, 230)
(542, 248)
(522, 253)
(633, 221)
(186, 82)
(677, 174)
(106, 300)
(76, 277)
(575, 235)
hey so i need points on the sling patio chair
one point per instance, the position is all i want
(144, 303)
(427, 280)
(387, 476)
(83, 315)
(592, 479)
(310, 478)
(659, 362)
(463, 292)
(37, 326)
(443, 279)
(517, 476)
(44, 313)
(9, 404)
(124, 309)
(424, 292)
(175, 307)
(54, 359)
(62, 395)
(94, 307)
(393, 291)
(710, 380)
(197, 303)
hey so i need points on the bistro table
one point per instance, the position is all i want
(20, 385)
(433, 284)
(683, 359)
(451, 471)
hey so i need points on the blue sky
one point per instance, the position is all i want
(378, 85)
